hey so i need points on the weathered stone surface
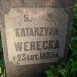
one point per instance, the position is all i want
(31, 29)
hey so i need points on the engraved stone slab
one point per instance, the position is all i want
(35, 34)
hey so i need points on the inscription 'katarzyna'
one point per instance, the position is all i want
(36, 31)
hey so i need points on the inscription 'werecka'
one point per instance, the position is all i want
(36, 45)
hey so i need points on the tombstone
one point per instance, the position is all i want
(35, 34)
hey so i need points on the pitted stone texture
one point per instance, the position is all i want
(35, 70)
